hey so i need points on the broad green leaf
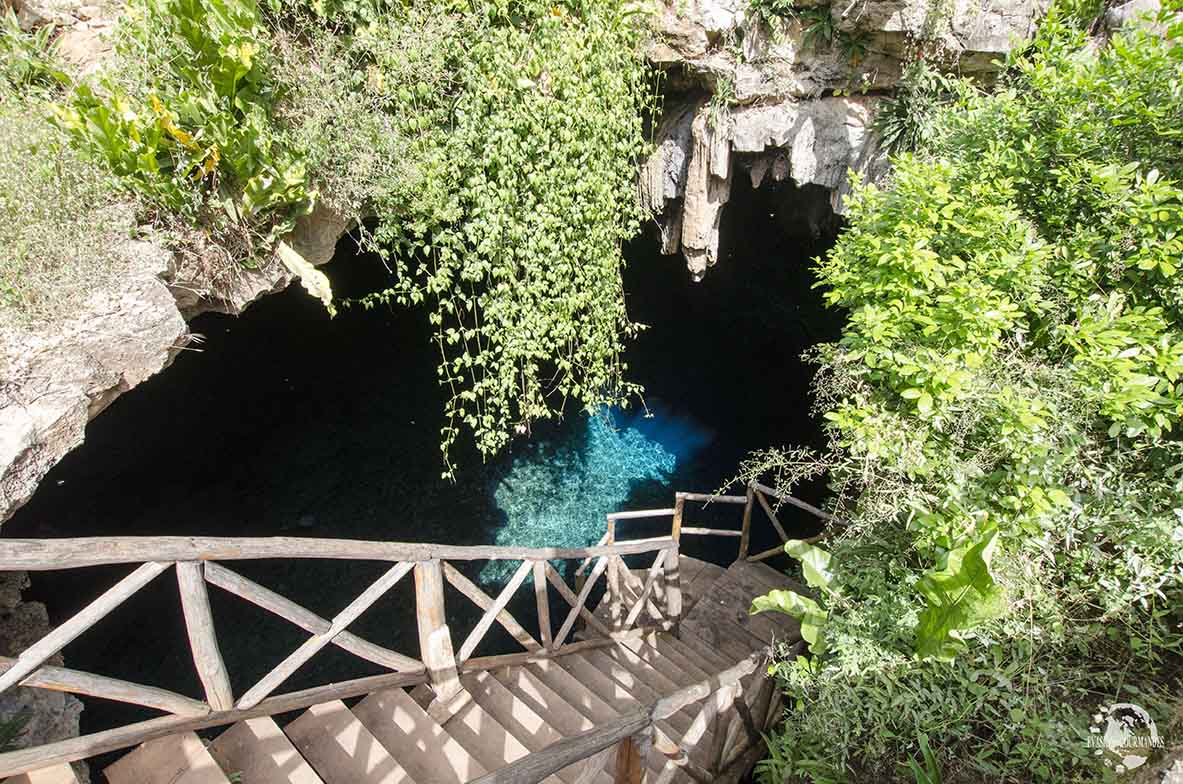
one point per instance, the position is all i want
(815, 563)
(960, 594)
(811, 616)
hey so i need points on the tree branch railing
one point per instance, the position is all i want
(756, 495)
(199, 562)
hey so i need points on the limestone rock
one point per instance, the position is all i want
(55, 379)
(814, 142)
(47, 715)
(708, 187)
(35, 13)
(794, 105)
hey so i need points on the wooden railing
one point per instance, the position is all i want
(757, 494)
(199, 562)
(630, 737)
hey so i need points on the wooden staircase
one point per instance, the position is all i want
(389, 738)
(618, 702)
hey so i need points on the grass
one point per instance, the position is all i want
(62, 222)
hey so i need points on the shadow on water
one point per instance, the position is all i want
(286, 422)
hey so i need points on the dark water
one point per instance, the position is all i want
(287, 422)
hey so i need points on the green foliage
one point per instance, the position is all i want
(187, 122)
(815, 563)
(961, 593)
(904, 121)
(1004, 409)
(852, 45)
(61, 225)
(770, 12)
(27, 59)
(817, 24)
(930, 771)
(11, 731)
(501, 174)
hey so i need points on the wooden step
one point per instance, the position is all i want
(620, 687)
(525, 686)
(421, 746)
(260, 753)
(715, 630)
(341, 749)
(637, 676)
(518, 717)
(730, 600)
(761, 577)
(651, 668)
(173, 759)
(689, 670)
(58, 774)
(579, 695)
(486, 739)
(708, 659)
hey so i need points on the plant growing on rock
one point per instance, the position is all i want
(186, 121)
(501, 178)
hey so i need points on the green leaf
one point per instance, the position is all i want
(815, 563)
(811, 616)
(960, 594)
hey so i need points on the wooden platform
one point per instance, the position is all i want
(388, 738)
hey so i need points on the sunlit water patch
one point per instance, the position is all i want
(556, 493)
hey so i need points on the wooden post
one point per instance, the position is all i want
(630, 766)
(203, 640)
(673, 588)
(676, 528)
(615, 610)
(435, 641)
(543, 603)
(745, 533)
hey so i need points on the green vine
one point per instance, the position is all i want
(512, 225)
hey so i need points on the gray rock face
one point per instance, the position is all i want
(45, 716)
(788, 102)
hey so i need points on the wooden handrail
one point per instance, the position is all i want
(538, 766)
(45, 554)
(440, 667)
(558, 755)
(711, 498)
(640, 514)
(91, 685)
(75, 749)
(797, 502)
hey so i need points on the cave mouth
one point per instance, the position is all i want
(283, 421)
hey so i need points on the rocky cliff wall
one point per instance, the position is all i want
(761, 96)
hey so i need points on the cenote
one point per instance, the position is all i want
(285, 422)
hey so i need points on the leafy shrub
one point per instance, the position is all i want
(1003, 408)
(817, 26)
(186, 121)
(904, 121)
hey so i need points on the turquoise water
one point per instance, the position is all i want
(556, 493)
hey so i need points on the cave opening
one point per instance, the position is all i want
(283, 421)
